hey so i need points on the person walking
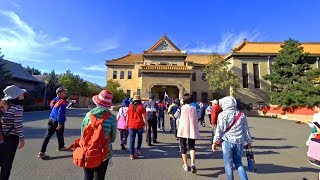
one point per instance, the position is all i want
(171, 110)
(202, 110)
(122, 127)
(151, 111)
(136, 120)
(161, 109)
(208, 113)
(109, 124)
(56, 123)
(11, 128)
(216, 110)
(232, 130)
(188, 131)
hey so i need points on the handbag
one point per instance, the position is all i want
(250, 158)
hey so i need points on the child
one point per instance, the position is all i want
(122, 127)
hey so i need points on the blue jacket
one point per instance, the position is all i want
(58, 110)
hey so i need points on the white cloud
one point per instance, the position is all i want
(91, 76)
(108, 44)
(228, 41)
(21, 42)
(101, 68)
(68, 61)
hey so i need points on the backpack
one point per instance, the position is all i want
(92, 148)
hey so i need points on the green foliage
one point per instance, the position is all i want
(52, 81)
(33, 71)
(292, 78)
(73, 83)
(220, 76)
(5, 77)
(114, 88)
(93, 89)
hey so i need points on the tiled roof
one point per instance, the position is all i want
(18, 72)
(126, 60)
(199, 58)
(272, 47)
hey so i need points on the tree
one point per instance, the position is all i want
(117, 92)
(93, 89)
(292, 79)
(52, 81)
(220, 76)
(5, 77)
(73, 83)
(33, 71)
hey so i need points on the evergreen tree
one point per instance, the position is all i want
(5, 77)
(292, 78)
(52, 82)
(33, 71)
(220, 76)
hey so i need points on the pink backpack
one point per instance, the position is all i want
(122, 120)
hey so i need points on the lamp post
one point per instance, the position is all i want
(45, 92)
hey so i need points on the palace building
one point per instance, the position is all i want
(164, 68)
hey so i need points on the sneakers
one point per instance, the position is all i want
(138, 152)
(131, 157)
(65, 148)
(159, 129)
(42, 155)
(186, 168)
(123, 147)
(155, 141)
(193, 169)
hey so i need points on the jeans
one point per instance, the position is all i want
(133, 133)
(97, 173)
(161, 121)
(152, 126)
(210, 118)
(123, 136)
(213, 131)
(232, 154)
(52, 125)
(172, 123)
(7, 152)
(175, 130)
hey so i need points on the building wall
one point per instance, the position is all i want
(170, 60)
(127, 84)
(200, 86)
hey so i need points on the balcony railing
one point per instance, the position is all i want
(166, 68)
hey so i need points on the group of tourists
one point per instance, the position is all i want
(99, 128)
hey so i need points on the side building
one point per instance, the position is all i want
(164, 68)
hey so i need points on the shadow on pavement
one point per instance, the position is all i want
(272, 168)
(57, 157)
(268, 139)
(36, 133)
(273, 147)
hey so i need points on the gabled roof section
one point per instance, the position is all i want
(246, 47)
(129, 59)
(18, 72)
(201, 59)
(164, 45)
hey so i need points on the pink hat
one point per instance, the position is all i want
(104, 99)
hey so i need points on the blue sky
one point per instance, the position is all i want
(80, 35)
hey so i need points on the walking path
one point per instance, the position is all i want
(279, 147)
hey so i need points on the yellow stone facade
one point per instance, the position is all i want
(164, 68)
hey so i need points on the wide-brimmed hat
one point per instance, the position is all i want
(136, 98)
(12, 92)
(60, 90)
(104, 99)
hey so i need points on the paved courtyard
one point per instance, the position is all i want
(279, 147)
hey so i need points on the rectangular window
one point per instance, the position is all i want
(115, 73)
(129, 93)
(139, 73)
(256, 75)
(139, 91)
(194, 96)
(204, 76)
(173, 64)
(121, 74)
(153, 64)
(162, 63)
(204, 97)
(194, 76)
(245, 76)
(129, 74)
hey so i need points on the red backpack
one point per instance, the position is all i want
(93, 147)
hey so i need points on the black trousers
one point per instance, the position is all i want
(97, 173)
(124, 133)
(152, 127)
(183, 145)
(52, 128)
(7, 153)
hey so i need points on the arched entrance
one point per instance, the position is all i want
(159, 91)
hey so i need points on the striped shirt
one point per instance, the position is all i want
(13, 118)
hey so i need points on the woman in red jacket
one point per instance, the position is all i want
(216, 110)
